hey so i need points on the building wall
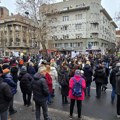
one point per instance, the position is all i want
(74, 28)
(17, 34)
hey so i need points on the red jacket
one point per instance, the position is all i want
(49, 82)
(71, 84)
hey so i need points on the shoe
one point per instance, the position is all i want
(70, 117)
(13, 112)
(80, 118)
(118, 116)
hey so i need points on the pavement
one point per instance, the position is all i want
(92, 108)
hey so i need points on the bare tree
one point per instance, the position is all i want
(37, 11)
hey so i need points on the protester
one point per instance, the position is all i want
(7, 77)
(5, 98)
(118, 90)
(40, 93)
(64, 82)
(78, 81)
(113, 82)
(88, 72)
(25, 85)
(99, 78)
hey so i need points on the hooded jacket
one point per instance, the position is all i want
(88, 73)
(7, 77)
(40, 88)
(5, 96)
(25, 82)
(71, 85)
(99, 75)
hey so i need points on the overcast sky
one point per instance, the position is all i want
(112, 6)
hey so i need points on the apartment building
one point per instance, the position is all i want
(80, 25)
(17, 34)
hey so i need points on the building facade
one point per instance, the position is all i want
(118, 40)
(80, 25)
(17, 34)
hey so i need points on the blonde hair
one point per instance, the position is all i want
(42, 69)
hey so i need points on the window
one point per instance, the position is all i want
(66, 36)
(78, 35)
(78, 16)
(65, 27)
(54, 37)
(65, 18)
(65, 44)
(78, 26)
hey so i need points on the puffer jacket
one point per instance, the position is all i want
(118, 83)
(9, 80)
(25, 82)
(40, 88)
(99, 75)
(71, 84)
(88, 73)
(5, 96)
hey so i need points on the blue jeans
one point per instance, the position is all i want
(113, 94)
(88, 84)
(4, 115)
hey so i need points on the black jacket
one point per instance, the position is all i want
(113, 76)
(99, 75)
(88, 72)
(40, 88)
(5, 96)
(25, 82)
(118, 83)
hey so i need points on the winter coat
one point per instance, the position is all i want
(49, 82)
(14, 73)
(5, 96)
(113, 76)
(9, 80)
(118, 83)
(71, 84)
(64, 82)
(25, 82)
(31, 70)
(88, 73)
(40, 88)
(99, 75)
(54, 76)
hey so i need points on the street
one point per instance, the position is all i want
(92, 109)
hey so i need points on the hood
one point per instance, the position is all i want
(38, 76)
(87, 66)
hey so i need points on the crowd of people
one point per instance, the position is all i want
(39, 76)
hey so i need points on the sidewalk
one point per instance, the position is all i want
(26, 113)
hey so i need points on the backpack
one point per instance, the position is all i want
(63, 81)
(77, 88)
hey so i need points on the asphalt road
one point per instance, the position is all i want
(92, 108)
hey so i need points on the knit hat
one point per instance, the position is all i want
(23, 69)
(6, 71)
(77, 72)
